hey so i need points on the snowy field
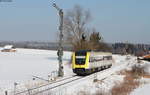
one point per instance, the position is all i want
(22, 65)
(144, 89)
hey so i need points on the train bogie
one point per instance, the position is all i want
(82, 71)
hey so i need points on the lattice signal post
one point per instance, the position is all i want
(60, 49)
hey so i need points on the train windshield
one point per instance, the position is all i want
(80, 60)
(80, 57)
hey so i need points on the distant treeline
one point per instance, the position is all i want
(36, 45)
(128, 48)
(116, 48)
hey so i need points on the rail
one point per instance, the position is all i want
(52, 85)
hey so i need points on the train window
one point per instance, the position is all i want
(92, 59)
(95, 59)
(80, 60)
(80, 57)
(107, 57)
(80, 53)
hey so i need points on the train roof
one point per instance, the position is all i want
(93, 52)
(101, 53)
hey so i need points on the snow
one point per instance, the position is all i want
(8, 47)
(22, 65)
(142, 90)
(147, 66)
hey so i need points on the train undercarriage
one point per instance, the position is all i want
(83, 71)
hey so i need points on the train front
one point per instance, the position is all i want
(80, 62)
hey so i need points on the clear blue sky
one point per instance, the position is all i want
(37, 20)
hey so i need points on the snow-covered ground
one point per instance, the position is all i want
(22, 65)
(144, 89)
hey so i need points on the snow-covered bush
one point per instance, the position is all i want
(138, 70)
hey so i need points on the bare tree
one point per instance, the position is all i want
(75, 25)
(95, 40)
(79, 34)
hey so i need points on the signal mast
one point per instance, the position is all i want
(60, 49)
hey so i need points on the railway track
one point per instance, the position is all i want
(54, 84)
(49, 86)
(65, 81)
